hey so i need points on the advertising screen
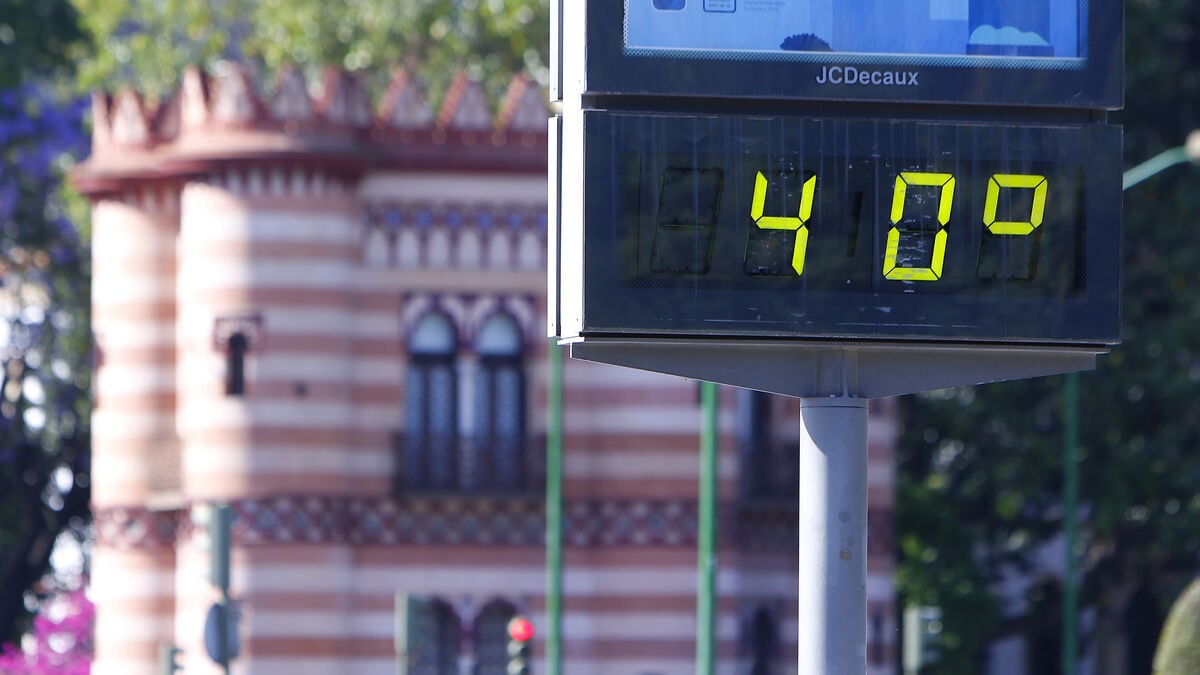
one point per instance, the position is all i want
(1015, 31)
(1014, 53)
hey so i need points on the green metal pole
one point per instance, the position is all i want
(1163, 160)
(1070, 643)
(554, 544)
(1070, 648)
(707, 536)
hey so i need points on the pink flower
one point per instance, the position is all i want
(61, 640)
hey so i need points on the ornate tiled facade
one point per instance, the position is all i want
(296, 297)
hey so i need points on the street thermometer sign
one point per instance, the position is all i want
(737, 175)
(836, 200)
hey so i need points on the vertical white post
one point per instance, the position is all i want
(833, 536)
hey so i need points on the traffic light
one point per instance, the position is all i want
(220, 535)
(167, 665)
(520, 646)
(922, 637)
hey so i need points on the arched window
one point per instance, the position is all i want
(754, 434)
(434, 638)
(491, 638)
(235, 364)
(763, 642)
(430, 449)
(497, 459)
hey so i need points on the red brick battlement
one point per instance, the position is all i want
(214, 120)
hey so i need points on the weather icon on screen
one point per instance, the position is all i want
(674, 5)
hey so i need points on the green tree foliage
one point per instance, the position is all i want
(147, 44)
(44, 338)
(980, 468)
(1179, 649)
(36, 38)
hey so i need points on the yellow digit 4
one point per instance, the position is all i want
(1015, 180)
(797, 223)
(945, 202)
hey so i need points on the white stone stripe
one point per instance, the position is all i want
(370, 580)
(119, 666)
(526, 191)
(619, 580)
(112, 580)
(112, 425)
(377, 416)
(317, 577)
(300, 414)
(293, 274)
(881, 586)
(119, 290)
(378, 281)
(587, 375)
(643, 626)
(270, 366)
(257, 460)
(203, 224)
(315, 624)
(315, 366)
(576, 666)
(638, 418)
(316, 321)
(116, 333)
(299, 665)
(129, 379)
(638, 666)
(378, 370)
(379, 666)
(118, 627)
(880, 475)
(645, 464)
(377, 624)
(115, 244)
(205, 413)
(111, 468)
(881, 430)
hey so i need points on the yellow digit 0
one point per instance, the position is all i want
(1019, 181)
(797, 223)
(945, 202)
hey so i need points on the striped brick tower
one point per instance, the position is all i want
(134, 446)
(327, 312)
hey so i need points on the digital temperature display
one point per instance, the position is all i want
(794, 227)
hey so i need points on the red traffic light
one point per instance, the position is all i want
(520, 629)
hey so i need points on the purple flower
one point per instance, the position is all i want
(62, 639)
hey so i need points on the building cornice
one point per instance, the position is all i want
(214, 121)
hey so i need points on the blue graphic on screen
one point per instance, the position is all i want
(1012, 28)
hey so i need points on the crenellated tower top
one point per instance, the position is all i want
(218, 118)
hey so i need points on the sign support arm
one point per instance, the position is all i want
(832, 612)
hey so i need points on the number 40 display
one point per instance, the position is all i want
(945, 201)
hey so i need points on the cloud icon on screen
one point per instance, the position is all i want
(1009, 35)
(673, 5)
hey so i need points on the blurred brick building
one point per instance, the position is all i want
(328, 312)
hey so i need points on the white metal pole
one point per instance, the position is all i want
(833, 536)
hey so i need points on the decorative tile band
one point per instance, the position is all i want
(133, 528)
(449, 520)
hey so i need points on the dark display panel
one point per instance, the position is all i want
(792, 227)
